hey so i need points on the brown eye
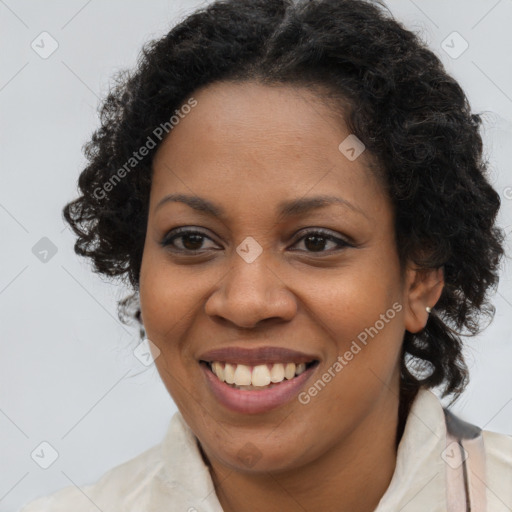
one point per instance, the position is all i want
(317, 241)
(191, 240)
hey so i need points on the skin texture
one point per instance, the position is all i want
(246, 147)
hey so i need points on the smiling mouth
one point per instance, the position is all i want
(259, 377)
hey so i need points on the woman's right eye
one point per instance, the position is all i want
(191, 240)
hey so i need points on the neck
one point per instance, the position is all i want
(336, 481)
(407, 397)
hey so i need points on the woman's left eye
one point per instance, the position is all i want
(316, 241)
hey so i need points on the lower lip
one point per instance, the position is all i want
(257, 401)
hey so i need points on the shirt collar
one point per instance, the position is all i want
(419, 475)
(420, 472)
(184, 481)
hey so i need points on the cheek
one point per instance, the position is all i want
(352, 299)
(166, 300)
(360, 312)
(364, 325)
(165, 306)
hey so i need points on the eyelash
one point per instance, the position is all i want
(167, 242)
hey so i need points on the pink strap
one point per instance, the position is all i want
(465, 474)
(476, 473)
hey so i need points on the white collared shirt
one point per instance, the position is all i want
(172, 476)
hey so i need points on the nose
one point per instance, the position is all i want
(250, 294)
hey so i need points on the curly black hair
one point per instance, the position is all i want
(398, 99)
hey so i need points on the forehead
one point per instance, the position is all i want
(245, 138)
(279, 116)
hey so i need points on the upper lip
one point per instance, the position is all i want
(255, 356)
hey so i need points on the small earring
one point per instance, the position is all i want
(429, 309)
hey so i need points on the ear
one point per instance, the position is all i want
(422, 289)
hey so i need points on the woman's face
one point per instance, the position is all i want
(257, 282)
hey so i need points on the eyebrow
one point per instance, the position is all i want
(290, 208)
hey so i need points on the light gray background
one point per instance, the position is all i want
(68, 375)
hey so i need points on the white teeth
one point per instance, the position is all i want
(289, 371)
(277, 372)
(260, 375)
(229, 373)
(300, 368)
(218, 370)
(247, 377)
(242, 375)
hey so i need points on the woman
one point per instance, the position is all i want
(297, 195)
